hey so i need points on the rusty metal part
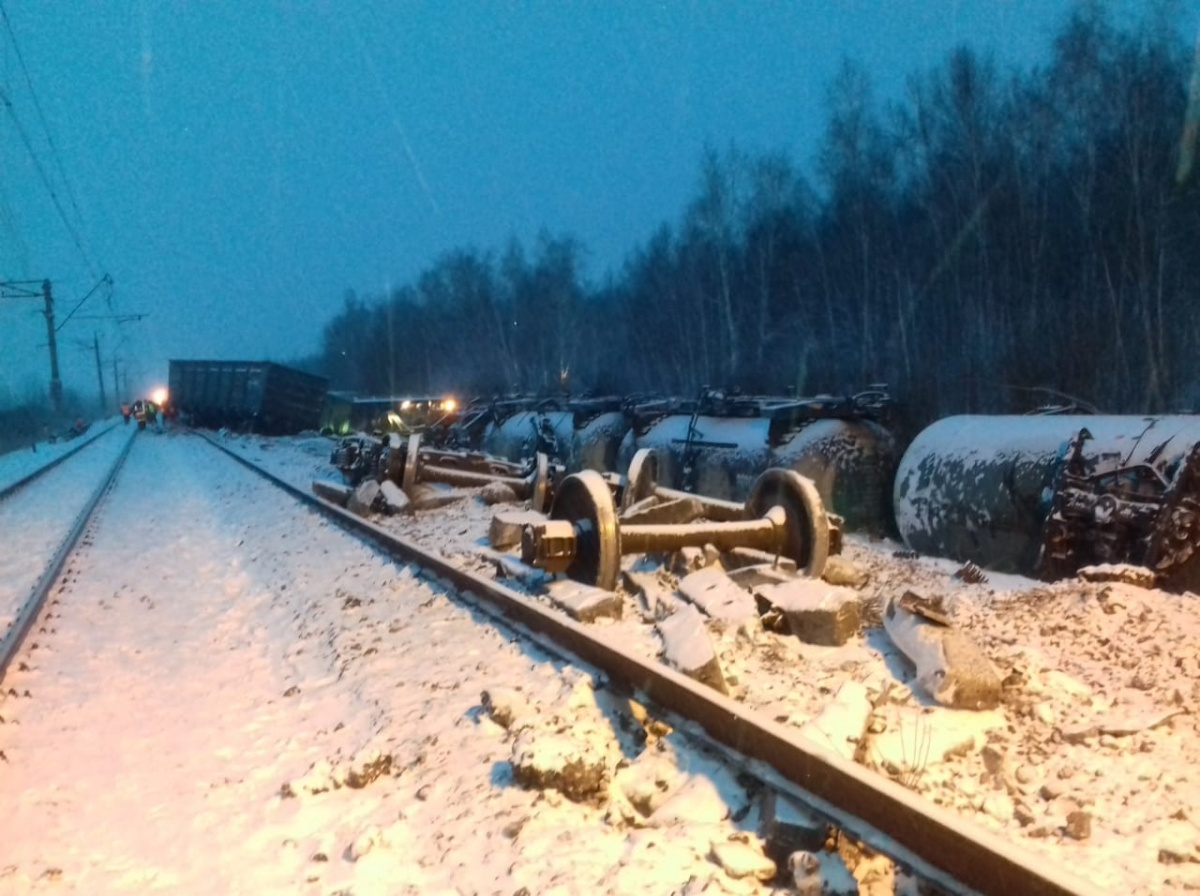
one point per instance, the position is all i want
(783, 516)
(588, 548)
(807, 531)
(940, 846)
(536, 487)
(641, 482)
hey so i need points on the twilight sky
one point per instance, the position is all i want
(236, 166)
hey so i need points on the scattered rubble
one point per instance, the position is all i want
(815, 611)
(688, 648)
(950, 666)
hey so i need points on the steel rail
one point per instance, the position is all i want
(952, 852)
(25, 480)
(24, 620)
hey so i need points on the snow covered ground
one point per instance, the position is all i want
(37, 518)
(1089, 761)
(230, 695)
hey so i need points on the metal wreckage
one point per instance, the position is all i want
(1043, 495)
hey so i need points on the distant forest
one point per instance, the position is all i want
(995, 234)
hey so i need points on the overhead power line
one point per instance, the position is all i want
(53, 148)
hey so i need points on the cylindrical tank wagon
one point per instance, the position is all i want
(580, 433)
(719, 446)
(1048, 495)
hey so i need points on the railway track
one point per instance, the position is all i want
(38, 543)
(938, 845)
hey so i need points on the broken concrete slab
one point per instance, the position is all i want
(510, 567)
(741, 857)
(687, 560)
(951, 668)
(653, 598)
(816, 612)
(430, 497)
(649, 780)
(840, 571)
(687, 647)
(841, 725)
(585, 603)
(393, 498)
(758, 574)
(363, 498)
(504, 532)
(739, 557)
(712, 591)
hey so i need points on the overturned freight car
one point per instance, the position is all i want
(719, 444)
(248, 396)
(1048, 495)
(581, 433)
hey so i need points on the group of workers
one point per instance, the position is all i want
(144, 411)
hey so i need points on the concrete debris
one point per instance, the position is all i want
(656, 513)
(497, 493)
(333, 492)
(510, 567)
(687, 560)
(430, 497)
(585, 603)
(741, 857)
(816, 612)
(1079, 825)
(648, 782)
(504, 532)
(653, 598)
(950, 667)
(739, 557)
(840, 571)
(703, 798)
(841, 725)
(362, 499)
(712, 591)
(686, 647)
(757, 574)
(393, 498)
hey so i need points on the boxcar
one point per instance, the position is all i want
(248, 396)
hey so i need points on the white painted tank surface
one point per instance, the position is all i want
(980, 488)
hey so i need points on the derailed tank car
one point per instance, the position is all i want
(254, 396)
(718, 445)
(1047, 495)
(581, 433)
